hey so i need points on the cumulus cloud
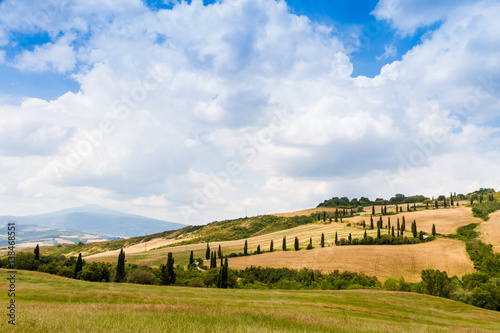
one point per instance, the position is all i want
(193, 113)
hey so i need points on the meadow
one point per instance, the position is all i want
(48, 303)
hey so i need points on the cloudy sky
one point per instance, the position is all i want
(204, 110)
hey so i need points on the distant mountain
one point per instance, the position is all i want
(97, 220)
(30, 235)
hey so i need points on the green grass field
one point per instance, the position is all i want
(47, 303)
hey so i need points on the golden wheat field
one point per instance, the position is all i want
(490, 231)
(382, 261)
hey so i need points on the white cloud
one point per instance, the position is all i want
(59, 57)
(389, 52)
(409, 15)
(250, 104)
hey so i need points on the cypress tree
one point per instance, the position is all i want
(414, 228)
(397, 209)
(207, 254)
(336, 214)
(271, 246)
(378, 233)
(388, 223)
(398, 226)
(403, 226)
(392, 231)
(78, 266)
(371, 222)
(219, 252)
(258, 249)
(336, 238)
(120, 267)
(414, 207)
(37, 252)
(223, 274)
(350, 238)
(407, 207)
(324, 216)
(436, 204)
(284, 243)
(191, 259)
(451, 199)
(444, 203)
(364, 225)
(373, 210)
(245, 248)
(310, 245)
(433, 230)
(296, 244)
(381, 224)
(330, 217)
(364, 236)
(322, 240)
(167, 271)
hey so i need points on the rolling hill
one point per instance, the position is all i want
(50, 303)
(96, 219)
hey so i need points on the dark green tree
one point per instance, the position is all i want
(37, 252)
(207, 254)
(296, 244)
(336, 215)
(120, 267)
(433, 230)
(219, 252)
(223, 275)
(336, 238)
(310, 245)
(392, 231)
(78, 266)
(324, 216)
(451, 199)
(271, 246)
(322, 240)
(245, 248)
(371, 223)
(373, 210)
(350, 238)
(258, 249)
(191, 259)
(378, 233)
(414, 228)
(284, 243)
(364, 236)
(168, 274)
(435, 282)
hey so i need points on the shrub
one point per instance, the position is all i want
(140, 276)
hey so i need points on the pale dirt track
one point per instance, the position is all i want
(137, 248)
(490, 231)
(374, 260)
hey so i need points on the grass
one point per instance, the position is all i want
(52, 304)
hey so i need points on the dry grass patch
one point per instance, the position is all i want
(382, 261)
(490, 231)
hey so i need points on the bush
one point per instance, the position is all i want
(96, 272)
(66, 272)
(140, 276)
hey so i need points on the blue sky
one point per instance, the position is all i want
(191, 111)
(346, 16)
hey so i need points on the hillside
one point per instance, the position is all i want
(28, 236)
(378, 260)
(54, 304)
(96, 219)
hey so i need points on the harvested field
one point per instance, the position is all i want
(383, 261)
(490, 231)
